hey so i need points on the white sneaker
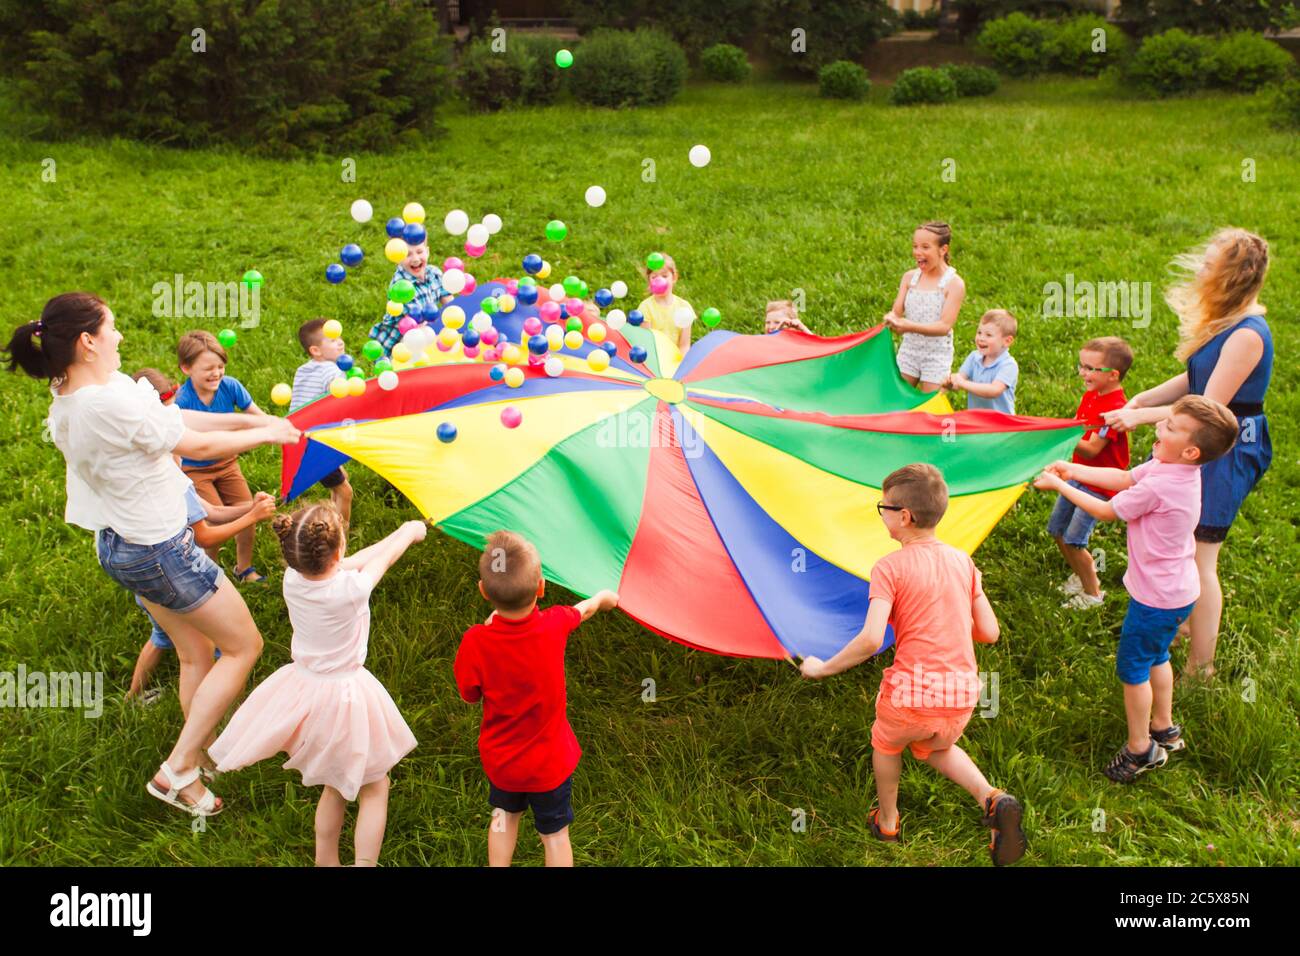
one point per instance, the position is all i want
(1071, 586)
(1084, 601)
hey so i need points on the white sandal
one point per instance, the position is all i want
(206, 805)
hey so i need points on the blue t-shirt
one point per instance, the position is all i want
(230, 396)
(1003, 369)
(195, 510)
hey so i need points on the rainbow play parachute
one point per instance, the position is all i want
(729, 497)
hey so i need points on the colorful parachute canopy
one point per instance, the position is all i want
(729, 497)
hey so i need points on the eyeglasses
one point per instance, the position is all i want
(881, 508)
(1091, 368)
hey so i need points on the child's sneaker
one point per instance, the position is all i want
(1171, 738)
(1083, 601)
(879, 832)
(1071, 587)
(1002, 812)
(1126, 767)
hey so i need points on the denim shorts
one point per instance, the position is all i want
(1070, 522)
(552, 810)
(176, 573)
(1145, 638)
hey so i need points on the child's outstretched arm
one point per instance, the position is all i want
(866, 643)
(373, 562)
(1112, 479)
(221, 525)
(235, 439)
(1097, 507)
(985, 628)
(600, 601)
(982, 389)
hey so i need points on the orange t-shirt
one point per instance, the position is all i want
(933, 588)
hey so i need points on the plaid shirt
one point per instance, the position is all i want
(428, 297)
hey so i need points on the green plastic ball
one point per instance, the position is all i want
(556, 230)
(402, 291)
(372, 350)
(489, 305)
(655, 261)
(711, 317)
(574, 324)
(227, 338)
(383, 365)
(528, 280)
(356, 372)
(563, 59)
(582, 289)
(571, 285)
(253, 279)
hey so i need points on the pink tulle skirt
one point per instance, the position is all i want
(341, 730)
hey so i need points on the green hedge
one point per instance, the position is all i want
(843, 80)
(972, 80)
(623, 68)
(725, 63)
(694, 25)
(923, 84)
(833, 30)
(1017, 44)
(1070, 48)
(1247, 61)
(524, 73)
(279, 78)
(1285, 105)
(1210, 16)
(1169, 63)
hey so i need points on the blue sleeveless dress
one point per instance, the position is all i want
(1226, 481)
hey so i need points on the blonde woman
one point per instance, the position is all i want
(1229, 354)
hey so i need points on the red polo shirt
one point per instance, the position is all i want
(1115, 452)
(517, 669)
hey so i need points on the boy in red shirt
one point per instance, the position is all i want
(933, 595)
(1103, 363)
(514, 663)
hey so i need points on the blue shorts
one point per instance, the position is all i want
(552, 810)
(176, 573)
(1145, 638)
(1070, 522)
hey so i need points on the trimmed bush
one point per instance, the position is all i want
(1071, 47)
(725, 63)
(1285, 105)
(832, 30)
(693, 24)
(1169, 63)
(490, 79)
(923, 85)
(621, 68)
(1017, 44)
(278, 78)
(972, 80)
(1210, 16)
(544, 79)
(1247, 61)
(843, 80)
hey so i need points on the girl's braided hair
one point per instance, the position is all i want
(310, 537)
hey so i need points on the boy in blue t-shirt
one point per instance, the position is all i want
(989, 374)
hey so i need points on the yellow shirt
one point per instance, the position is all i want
(660, 317)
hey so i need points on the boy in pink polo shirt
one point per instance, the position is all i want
(932, 594)
(1161, 501)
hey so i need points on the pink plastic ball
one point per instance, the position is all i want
(574, 306)
(510, 417)
(474, 251)
(512, 286)
(471, 351)
(535, 359)
(470, 284)
(491, 355)
(489, 337)
(443, 346)
(452, 262)
(658, 285)
(550, 311)
(532, 325)
(406, 324)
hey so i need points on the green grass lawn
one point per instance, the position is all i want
(1052, 179)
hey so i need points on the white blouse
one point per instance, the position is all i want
(117, 440)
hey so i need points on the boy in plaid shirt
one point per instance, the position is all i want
(429, 294)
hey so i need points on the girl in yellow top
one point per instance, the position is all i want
(671, 315)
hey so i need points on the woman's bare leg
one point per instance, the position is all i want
(1207, 614)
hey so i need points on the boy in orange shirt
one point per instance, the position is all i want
(932, 594)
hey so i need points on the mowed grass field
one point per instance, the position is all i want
(1052, 179)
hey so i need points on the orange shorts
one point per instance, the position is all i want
(220, 484)
(899, 727)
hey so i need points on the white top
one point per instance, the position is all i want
(330, 618)
(311, 381)
(117, 440)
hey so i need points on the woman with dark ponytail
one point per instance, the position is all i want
(123, 483)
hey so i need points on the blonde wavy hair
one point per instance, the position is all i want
(1219, 283)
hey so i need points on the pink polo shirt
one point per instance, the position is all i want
(1162, 510)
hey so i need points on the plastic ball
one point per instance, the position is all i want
(469, 338)
(362, 210)
(372, 350)
(595, 196)
(339, 386)
(470, 284)
(553, 367)
(512, 354)
(618, 288)
(711, 317)
(252, 279)
(394, 227)
(480, 323)
(538, 345)
(490, 305)
(573, 339)
(351, 254)
(470, 351)
(610, 348)
(510, 416)
(227, 338)
(634, 317)
(683, 318)
(345, 362)
(401, 352)
(332, 328)
(615, 319)
(403, 291)
(532, 325)
(512, 286)
(452, 262)
(574, 306)
(281, 394)
(604, 297)
(637, 354)
(335, 273)
(493, 223)
(443, 346)
(456, 221)
(448, 337)
(395, 250)
(556, 230)
(532, 263)
(413, 212)
(477, 235)
(446, 433)
(655, 261)
(356, 386)
(474, 251)
(549, 311)
(571, 285)
(555, 337)
(489, 335)
(491, 355)
(453, 281)
(405, 324)
(506, 302)
(699, 156)
(597, 360)
(658, 285)
(556, 292)
(453, 317)
(388, 380)
(596, 332)
(497, 373)
(414, 234)
(383, 365)
(583, 290)
(574, 324)
(394, 308)
(545, 271)
(514, 377)
(563, 59)
(527, 294)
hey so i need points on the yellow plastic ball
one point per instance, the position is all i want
(356, 386)
(555, 342)
(511, 354)
(514, 377)
(545, 270)
(282, 394)
(505, 302)
(339, 386)
(413, 212)
(401, 352)
(453, 317)
(598, 360)
(332, 329)
(596, 332)
(395, 308)
(395, 250)
(421, 362)
(448, 337)
(573, 339)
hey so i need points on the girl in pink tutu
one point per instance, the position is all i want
(336, 722)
